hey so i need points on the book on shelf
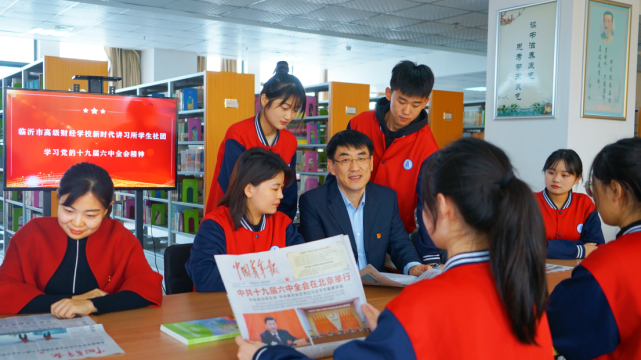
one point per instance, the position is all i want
(313, 137)
(200, 331)
(191, 160)
(311, 161)
(300, 161)
(189, 100)
(186, 220)
(195, 129)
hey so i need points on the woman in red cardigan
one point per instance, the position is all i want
(81, 262)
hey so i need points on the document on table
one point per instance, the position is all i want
(71, 343)
(18, 324)
(307, 296)
(551, 268)
(371, 276)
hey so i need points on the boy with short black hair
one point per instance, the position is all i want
(402, 144)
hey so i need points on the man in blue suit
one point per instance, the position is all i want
(351, 205)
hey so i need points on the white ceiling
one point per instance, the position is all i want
(316, 31)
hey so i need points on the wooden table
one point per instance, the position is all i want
(138, 331)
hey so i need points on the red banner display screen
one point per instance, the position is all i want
(133, 138)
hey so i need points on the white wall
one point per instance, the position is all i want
(378, 73)
(529, 142)
(48, 48)
(161, 64)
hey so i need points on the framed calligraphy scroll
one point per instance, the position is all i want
(606, 60)
(525, 65)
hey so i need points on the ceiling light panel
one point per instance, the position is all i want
(474, 19)
(255, 15)
(286, 7)
(340, 14)
(306, 23)
(430, 12)
(200, 7)
(380, 6)
(430, 28)
(472, 5)
(145, 2)
(388, 21)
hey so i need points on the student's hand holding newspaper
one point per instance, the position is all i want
(247, 348)
(371, 314)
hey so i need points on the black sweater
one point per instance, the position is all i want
(74, 277)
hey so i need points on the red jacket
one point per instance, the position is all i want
(240, 137)
(469, 319)
(398, 166)
(35, 252)
(615, 267)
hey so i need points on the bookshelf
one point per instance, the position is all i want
(49, 73)
(214, 119)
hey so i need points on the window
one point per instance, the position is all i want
(16, 49)
(308, 75)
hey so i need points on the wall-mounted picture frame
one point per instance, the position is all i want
(606, 59)
(525, 64)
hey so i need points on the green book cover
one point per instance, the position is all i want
(200, 331)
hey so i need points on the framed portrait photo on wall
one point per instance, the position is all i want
(525, 66)
(606, 60)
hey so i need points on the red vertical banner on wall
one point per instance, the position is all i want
(133, 138)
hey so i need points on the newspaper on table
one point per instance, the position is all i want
(307, 296)
(371, 276)
(46, 337)
(18, 324)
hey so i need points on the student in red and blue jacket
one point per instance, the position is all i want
(281, 98)
(572, 224)
(596, 314)
(489, 301)
(402, 144)
(246, 220)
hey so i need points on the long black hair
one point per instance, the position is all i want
(83, 178)
(571, 159)
(253, 166)
(620, 162)
(284, 86)
(478, 177)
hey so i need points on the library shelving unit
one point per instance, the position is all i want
(346, 100)
(215, 89)
(48, 73)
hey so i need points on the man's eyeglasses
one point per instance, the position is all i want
(346, 162)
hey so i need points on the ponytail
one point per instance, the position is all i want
(478, 177)
(284, 86)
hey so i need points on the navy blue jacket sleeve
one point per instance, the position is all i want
(568, 249)
(427, 251)
(400, 248)
(201, 266)
(581, 320)
(233, 149)
(292, 237)
(592, 232)
(289, 204)
(388, 341)
(311, 225)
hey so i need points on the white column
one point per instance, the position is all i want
(253, 67)
(529, 142)
(161, 64)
